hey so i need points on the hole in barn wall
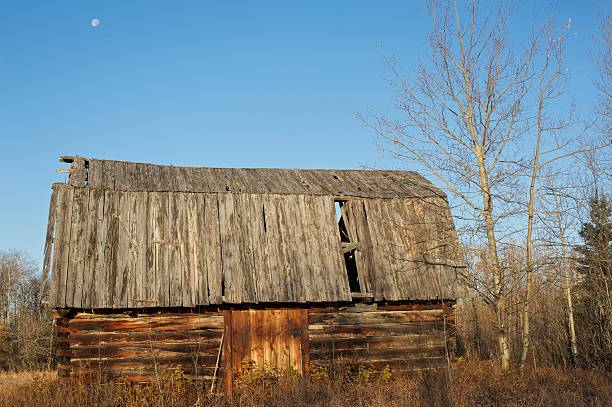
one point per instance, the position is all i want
(349, 256)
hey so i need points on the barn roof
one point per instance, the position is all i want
(128, 176)
(128, 235)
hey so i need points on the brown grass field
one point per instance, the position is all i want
(463, 384)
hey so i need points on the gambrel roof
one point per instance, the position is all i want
(130, 235)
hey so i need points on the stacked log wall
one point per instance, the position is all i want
(139, 349)
(403, 338)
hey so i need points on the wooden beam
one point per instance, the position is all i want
(357, 296)
(347, 247)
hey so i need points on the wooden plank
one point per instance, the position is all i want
(143, 292)
(245, 249)
(302, 270)
(256, 185)
(214, 184)
(131, 176)
(98, 263)
(294, 338)
(228, 370)
(340, 277)
(109, 174)
(207, 338)
(325, 279)
(289, 222)
(158, 216)
(402, 261)
(237, 340)
(148, 288)
(142, 324)
(181, 178)
(256, 233)
(138, 350)
(96, 203)
(212, 242)
(400, 362)
(282, 338)
(380, 252)
(310, 251)
(352, 211)
(275, 259)
(191, 263)
(389, 329)
(199, 236)
(46, 266)
(65, 253)
(357, 209)
(120, 168)
(342, 317)
(130, 219)
(305, 341)
(316, 254)
(244, 330)
(265, 330)
(94, 174)
(416, 234)
(310, 185)
(434, 255)
(305, 241)
(358, 343)
(230, 249)
(258, 318)
(176, 247)
(111, 242)
(122, 242)
(58, 246)
(59, 213)
(130, 283)
(272, 332)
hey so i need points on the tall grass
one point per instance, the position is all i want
(463, 384)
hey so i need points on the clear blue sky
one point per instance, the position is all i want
(249, 84)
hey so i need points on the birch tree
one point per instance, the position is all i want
(461, 116)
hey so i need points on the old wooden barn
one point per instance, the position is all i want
(208, 270)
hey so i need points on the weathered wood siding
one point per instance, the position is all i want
(409, 248)
(117, 249)
(133, 249)
(403, 338)
(266, 338)
(137, 349)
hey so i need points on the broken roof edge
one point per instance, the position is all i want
(135, 176)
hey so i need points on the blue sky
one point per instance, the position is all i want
(247, 84)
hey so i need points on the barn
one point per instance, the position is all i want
(212, 271)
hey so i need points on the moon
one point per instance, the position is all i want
(95, 22)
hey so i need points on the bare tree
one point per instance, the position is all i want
(559, 218)
(16, 268)
(25, 325)
(551, 144)
(461, 116)
(603, 62)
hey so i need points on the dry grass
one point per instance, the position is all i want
(465, 384)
